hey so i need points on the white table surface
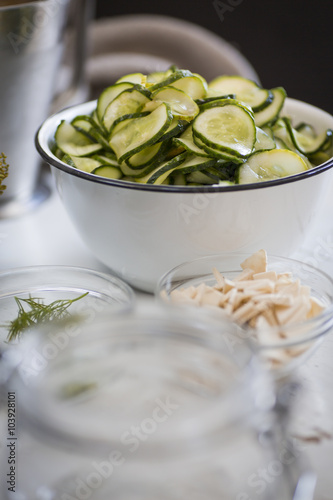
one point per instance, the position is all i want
(45, 235)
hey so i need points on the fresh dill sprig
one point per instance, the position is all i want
(37, 313)
(3, 171)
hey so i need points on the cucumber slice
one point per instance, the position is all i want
(158, 77)
(127, 102)
(147, 156)
(269, 165)
(306, 144)
(108, 171)
(108, 95)
(162, 172)
(194, 163)
(199, 177)
(72, 142)
(215, 153)
(264, 142)
(186, 141)
(245, 90)
(136, 78)
(227, 127)
(182, 105)
(82, 163)
(138, 133)
(184, 80)
(271, 112)
(106, 160)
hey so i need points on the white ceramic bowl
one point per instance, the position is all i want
(142, 231)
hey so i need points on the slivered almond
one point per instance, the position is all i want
(264, 300)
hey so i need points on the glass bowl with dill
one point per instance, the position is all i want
(31, 296)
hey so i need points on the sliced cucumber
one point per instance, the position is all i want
(306, 144)
(182, 105)
(73, 142)
(227, 127)
(148, 155)
(128, 102)
(138, 133)
(108, 95)
(161, 173)
(245, 90)
(136, 78)
(108, 171)
(271, 112)
(184, 80)
(264, 142)
(81, 163)
(270, 165)
(186, 141)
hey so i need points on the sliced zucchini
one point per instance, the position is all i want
(306, 144)
(227, 127)
(128, 102)
(108, 171)
(136, 78)
(81, 163)
(108, 95)
(148, 155)
(269, 165)
(187, 142)
(106, 160)
(216, 153)
(182, 105)
(264, 142)
(139, 133)
(73, 142)
(271, 112)
(245, 90)
(161, 173)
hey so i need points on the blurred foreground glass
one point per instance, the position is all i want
(156, 404)
(42, 53)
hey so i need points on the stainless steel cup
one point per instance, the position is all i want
(41, 69)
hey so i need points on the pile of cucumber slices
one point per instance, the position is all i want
(174, 128)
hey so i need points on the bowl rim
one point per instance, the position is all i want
(317, 331)
(78, 270)
(42, 144)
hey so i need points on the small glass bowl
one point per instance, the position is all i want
(104, 293)
(301, 339)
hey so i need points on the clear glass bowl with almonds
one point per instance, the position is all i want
(283, 306)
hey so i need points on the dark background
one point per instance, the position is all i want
(288, 42)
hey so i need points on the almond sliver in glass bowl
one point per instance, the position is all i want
(282, 347)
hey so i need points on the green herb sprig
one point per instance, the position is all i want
(37, 313)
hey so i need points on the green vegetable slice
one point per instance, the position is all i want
(245, 90)
(138, 133)
(305, 143)
(108, 95)
(227, 127)
(271, 112)
(136, 78)
(182, 105)
(264, 142)
(72, 142)
(127, 102)
(161, 173)
(82, 163)
(186, 141)
(269, 165)
(108, 171)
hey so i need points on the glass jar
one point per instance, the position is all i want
(152, 404)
